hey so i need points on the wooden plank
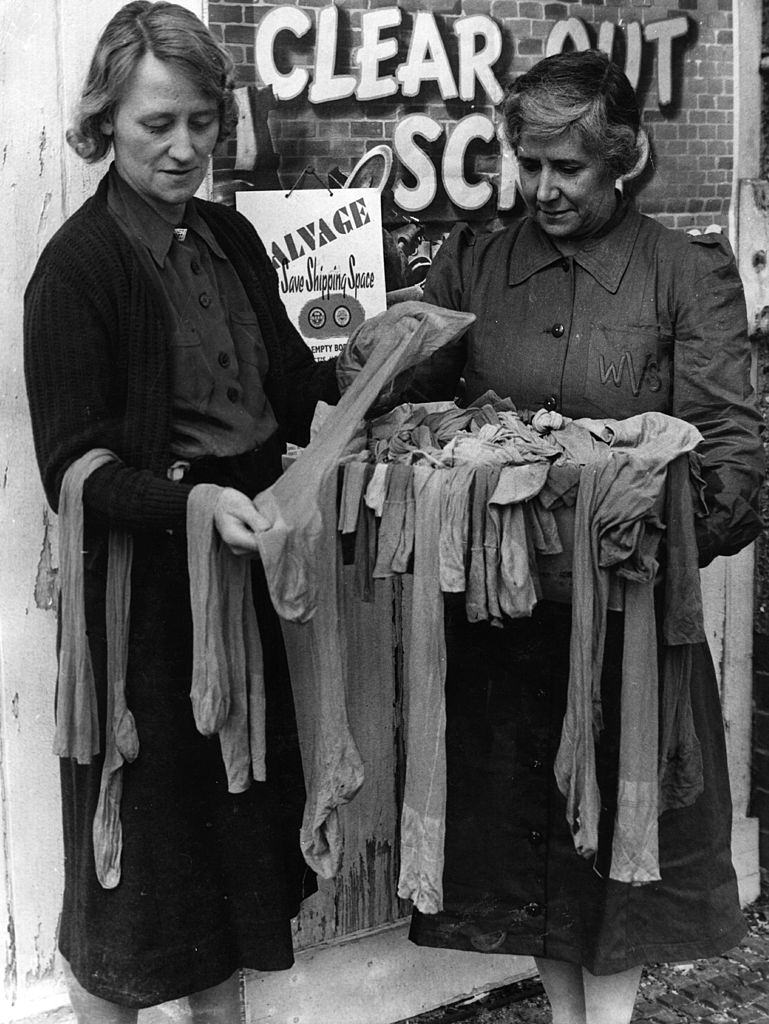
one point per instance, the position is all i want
(363, 895)
(377, 979)
(30, 182)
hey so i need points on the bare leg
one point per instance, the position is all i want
(91, 1009)
(610, 999)
(564, 988)
(218, 1005)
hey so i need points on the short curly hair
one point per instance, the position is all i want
(585, 92)
(170, 33)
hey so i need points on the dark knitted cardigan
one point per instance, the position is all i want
(97, 365)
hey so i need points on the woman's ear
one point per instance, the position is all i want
(107, 127)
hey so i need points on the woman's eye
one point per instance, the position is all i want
(155, 128)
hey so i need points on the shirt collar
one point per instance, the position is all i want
(605, 257)
(148, 226)
(195, 222)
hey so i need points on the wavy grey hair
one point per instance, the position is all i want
(584, 92)
(172, 34)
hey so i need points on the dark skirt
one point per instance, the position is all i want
(513, 882)
(210, 880)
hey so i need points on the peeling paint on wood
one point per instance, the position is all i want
(10, 978)
(44, 212)
(10, 974)
(45, 958)
(41, 150)
(364, 895)
(761, 194)
(47, 579)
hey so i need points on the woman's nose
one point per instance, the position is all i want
(546, 186)
(181, 144)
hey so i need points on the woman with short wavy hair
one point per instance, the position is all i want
(170, 33)
(160, 362)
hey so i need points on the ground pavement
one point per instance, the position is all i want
(730, 988)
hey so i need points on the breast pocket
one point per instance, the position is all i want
(628, 370)
(193, 380)
(249, 346)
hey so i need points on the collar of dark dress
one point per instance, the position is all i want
(604, 256)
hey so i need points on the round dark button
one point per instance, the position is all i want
(536, 765)
(541, 694)
(533, 909)
(551, 403)
(557, 330)
(195, 267)
(204, 299)
(232, 394)
(564, 264)
(223, 359)
(535, 838)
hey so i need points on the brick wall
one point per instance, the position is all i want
(689, 183)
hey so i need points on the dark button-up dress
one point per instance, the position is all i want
(642, 318)
(210, 879)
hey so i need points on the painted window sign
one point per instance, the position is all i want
(459, 61)
(427, 59)
(323, 87)
(427, 56)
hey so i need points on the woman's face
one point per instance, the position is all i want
(567, 191)
(163, 132)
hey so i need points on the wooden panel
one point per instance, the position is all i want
(363, 896)
(30, 183)
(377, 979)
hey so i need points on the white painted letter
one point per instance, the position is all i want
(280, 19)
(478, 63)
(373, 50)
(665, 32)
(327, 86)
(419, 67)
(567, 28)
(458, 189)
(632, 48)
(415, 160)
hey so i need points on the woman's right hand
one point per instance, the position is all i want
(238, 522)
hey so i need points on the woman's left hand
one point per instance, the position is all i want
(382, 329)
(238, 522)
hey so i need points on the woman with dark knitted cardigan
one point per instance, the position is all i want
(154, 329)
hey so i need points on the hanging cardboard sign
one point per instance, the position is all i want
(326, 247)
